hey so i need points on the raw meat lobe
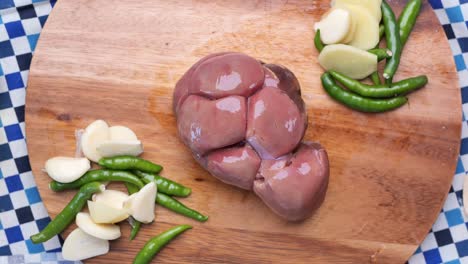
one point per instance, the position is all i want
(181, 91)
(287, 82)
(237, 166)
(275, 125)
(205, 125)
(228, 74)
(294, 186)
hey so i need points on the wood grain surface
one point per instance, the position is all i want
(119, 61)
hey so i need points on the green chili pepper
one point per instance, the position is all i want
(381, 31)
(381, 53)
(166, 186)
(381, 91)
(174, 205)
(392, 35)
(318, 41)
(64, 218)
(129, 163)
(178, 207)
(358, 102)
(136, 225)
(135, 228)
(375, 75)
(131, 188)
(155, 244)
(97, 175)
(375, 78)
(407, 19)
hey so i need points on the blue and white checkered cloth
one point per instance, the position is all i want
(22, 212)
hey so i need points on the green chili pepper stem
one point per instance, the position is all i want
(155, 244)
(381, 53)
(130, 163)
(165, 185)
(358, 102)
(66, 216)
(136, 225)
(178, 207)
(318, 41)
(97, 175)
(135, 228)
(375, 78)
(407, 19)
(381, 91)
(381, 31)
(392, 35)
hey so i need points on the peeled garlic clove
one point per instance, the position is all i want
(102, 213)
(80, 245)
(96, 133)
(111, 148)
(66, 169)
(121, 133)
(348, 60)
(335, 26)
(352, 28)
(140, 205)
(373, 6)
(102, 231)
(366, 35)
(111, 198)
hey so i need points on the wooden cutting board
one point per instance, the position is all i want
(119, 61)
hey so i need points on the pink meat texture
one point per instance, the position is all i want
(244, 121)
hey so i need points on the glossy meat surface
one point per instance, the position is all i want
(228, 74)
(243, 120)
(275, 125)
(237, 166)
(201, 118)
(294, 186)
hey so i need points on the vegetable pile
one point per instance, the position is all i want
(115, 149)
(348, 38)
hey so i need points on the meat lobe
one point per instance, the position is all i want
(181, 91)
(275, 125)
(294, 186)
(237, 166)
(288, 83)
(227, 74)
(206, 124)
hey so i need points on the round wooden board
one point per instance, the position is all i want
(119, 61)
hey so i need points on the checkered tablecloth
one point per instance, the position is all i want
(22, 212)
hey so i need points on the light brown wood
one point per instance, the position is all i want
(119, 61)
